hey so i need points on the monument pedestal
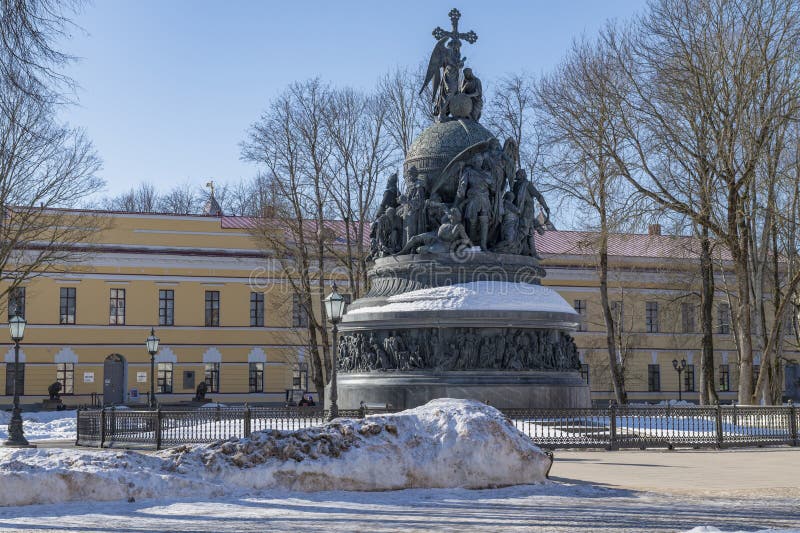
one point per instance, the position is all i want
(499, 388)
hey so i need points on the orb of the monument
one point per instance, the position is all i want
(439, 143)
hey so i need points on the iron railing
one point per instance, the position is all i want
(612, 428)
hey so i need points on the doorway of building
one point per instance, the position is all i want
(114, 379)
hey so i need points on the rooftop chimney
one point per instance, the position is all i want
(654, 229)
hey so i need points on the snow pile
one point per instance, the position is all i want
(474, 296)
(44, 425)
(446, 443)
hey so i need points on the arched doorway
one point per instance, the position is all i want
(114, 374)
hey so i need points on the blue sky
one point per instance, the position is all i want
(168, 89)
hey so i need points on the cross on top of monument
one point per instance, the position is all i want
(455, 14)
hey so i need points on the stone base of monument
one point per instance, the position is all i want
(506, 343)
(52, 404)
(502, 389)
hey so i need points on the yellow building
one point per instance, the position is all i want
(654, 284)
(224, 317)
(189, 277)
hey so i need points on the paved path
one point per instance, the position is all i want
(630, 491)
(741, 472)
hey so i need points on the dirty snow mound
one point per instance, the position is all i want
(446, 443)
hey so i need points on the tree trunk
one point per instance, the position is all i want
(743, 333)
(617, 377)
(708, 394)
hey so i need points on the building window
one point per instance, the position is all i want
(166, 307)
(212, 308)
(580, 308)
(299, 313)
(585, 373)
(256, 309)
(19, 373)
(723, 319)
(116, 312)
(651, 317)
(67, 305)
(618, 315)
(724, 378)
(688, 378)
(687, 317)
(212, 377)
(300, 376)
(653, 378)
(16, 302)
(256, 377)
(164, 377)
(65, 374)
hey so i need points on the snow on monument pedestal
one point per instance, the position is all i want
(500, 342)
(445, 444)
(454, 307)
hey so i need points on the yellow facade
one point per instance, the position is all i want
(145, 254)
(666, 283)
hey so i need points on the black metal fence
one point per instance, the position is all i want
(611, 428)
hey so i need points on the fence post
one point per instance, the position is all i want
(158, 428)
(362, 410)
(793, 422)
(246, 420)
(102, 425)
(78, 426)
(719, 425)
(735, 415)
(612, 410)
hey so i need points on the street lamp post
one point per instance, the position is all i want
(16, 436)
(679, 367)
(152, 348)
(334, 309)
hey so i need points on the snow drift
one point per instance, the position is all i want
(44, 425)
(444, 444)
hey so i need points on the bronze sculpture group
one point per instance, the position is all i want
(457, 349)
(480, 198)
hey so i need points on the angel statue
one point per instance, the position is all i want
(443, 70)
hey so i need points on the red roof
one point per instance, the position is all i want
(620, 244)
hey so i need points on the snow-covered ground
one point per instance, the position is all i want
(443, 444)
(549, 507)
(44, 425)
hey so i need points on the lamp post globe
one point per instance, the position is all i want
(334, 310)
(16, 326)
(16, 436)
(152, 348)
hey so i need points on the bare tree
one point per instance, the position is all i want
(577, 112)
(181, 200)
(30, 61)
(290, 144)
(45, 169)
(706, 86)
(140, 199)
(406, 110)
(512, 115)
(361, 153)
